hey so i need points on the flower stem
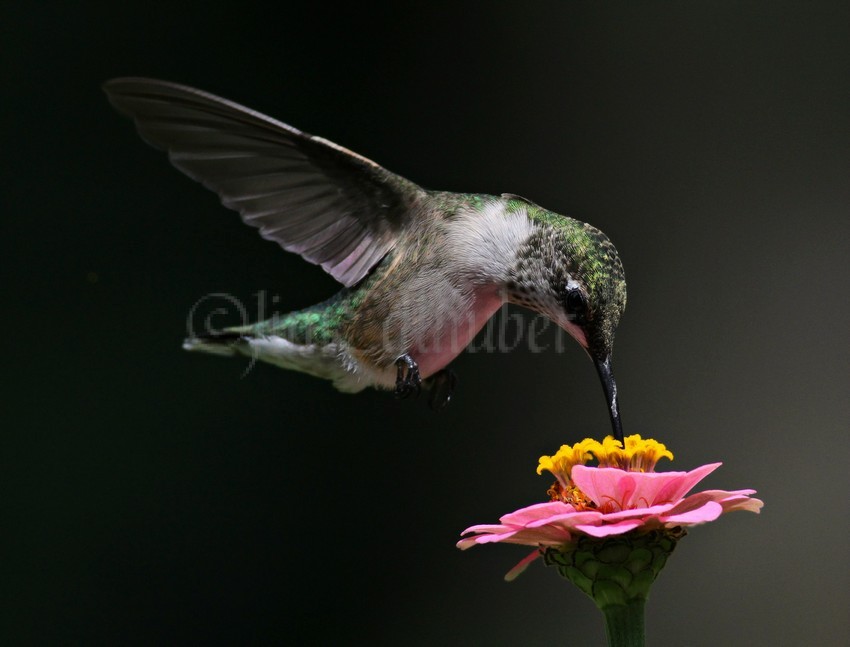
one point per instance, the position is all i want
(624, 623)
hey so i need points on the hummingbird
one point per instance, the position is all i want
(422, 271)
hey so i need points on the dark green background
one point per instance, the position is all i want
(154, 496)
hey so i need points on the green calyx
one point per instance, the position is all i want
(617, 570)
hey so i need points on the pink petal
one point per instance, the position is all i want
(544, 536)
(469, 542)
(707, 512)
(675, 492)
(610, 486)
(742, 503)
(610, 528)
(489, 538)
(737, 500)
(601, 484)
(654, 510)
(730, 492)
(486, 528)
(695, 501)
(519, 569)
(524, 516)
(568, 520)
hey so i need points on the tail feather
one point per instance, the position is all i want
(326, 361)
(225, 344)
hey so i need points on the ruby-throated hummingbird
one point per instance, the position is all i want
(422, 270)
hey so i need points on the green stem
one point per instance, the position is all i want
(624, 623)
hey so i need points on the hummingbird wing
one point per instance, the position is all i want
(330, 205)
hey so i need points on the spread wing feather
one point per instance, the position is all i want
(311, 196)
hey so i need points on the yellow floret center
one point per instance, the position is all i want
(635, 455)
(638, 455)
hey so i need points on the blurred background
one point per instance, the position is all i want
(158, 496)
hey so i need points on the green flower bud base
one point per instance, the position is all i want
(617, 572)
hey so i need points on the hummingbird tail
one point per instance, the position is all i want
(224, 344)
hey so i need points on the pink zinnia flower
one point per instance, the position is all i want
(622, 495)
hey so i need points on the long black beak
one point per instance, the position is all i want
(603, 367)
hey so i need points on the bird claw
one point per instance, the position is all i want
(407, 379)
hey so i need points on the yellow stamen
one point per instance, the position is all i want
(561, 464)
(645, 453)
(610, 453)
(572, 495)
(638, 455)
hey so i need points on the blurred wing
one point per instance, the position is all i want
(322, 201)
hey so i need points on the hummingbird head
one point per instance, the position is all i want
(571, 273)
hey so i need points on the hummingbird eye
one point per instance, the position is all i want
(575, 304)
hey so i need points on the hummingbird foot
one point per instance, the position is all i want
(407, 380)
(442, 385)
